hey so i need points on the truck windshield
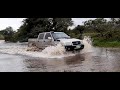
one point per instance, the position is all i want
(60, 35)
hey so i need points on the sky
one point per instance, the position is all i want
(80, 21)
(17, 22)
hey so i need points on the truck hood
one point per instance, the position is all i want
(68, 40)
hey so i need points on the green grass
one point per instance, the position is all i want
(104, 43)
(100, 42)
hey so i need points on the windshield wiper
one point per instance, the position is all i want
(62, 38)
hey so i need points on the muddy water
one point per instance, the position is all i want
(11, 63)
(90, 59)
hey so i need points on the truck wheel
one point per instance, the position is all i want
(31, 44)
(82, 47)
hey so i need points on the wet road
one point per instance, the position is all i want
(11, 63)
(92, 60)
(101, 60)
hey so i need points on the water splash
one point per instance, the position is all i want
(57, 51)
(54, 50)
(88, 45)
(2, 41)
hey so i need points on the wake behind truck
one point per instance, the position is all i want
(51, 38)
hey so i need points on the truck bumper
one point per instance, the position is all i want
(71, 48)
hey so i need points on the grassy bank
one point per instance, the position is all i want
(106, 43)
(100, 42)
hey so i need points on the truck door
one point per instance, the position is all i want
(40, 40)
(48, 40)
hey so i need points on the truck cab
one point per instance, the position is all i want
(44, 40)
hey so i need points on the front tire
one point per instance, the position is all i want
(31, 44)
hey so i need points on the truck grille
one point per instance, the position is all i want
(76, 43)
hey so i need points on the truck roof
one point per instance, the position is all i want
(51, 31)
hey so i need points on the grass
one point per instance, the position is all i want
(103, 43)
(100, 42)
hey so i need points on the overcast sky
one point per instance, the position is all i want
(13, 22)
(17, 22)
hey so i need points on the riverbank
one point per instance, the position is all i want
(104, 43)
(100, 42)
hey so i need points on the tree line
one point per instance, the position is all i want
(106, 30)
(103, 29)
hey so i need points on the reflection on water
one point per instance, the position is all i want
(91, 59)
(54, 64)
(11, 63)
(73, 60)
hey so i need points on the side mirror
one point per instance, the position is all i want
(49, 38)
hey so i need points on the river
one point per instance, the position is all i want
(14, 57)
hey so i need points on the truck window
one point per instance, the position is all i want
(47, 35)
(41, 36)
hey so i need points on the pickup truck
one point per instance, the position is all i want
(51, 38)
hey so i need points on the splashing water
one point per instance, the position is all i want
(57, 51)
(2, 41)
(88, 45)
(54, 50)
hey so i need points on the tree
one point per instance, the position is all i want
(33, 26)
(8, 33)
(98, 25)
(80, 28)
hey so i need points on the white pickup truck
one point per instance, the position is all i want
(46, 39)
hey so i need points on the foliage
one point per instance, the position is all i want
(8, 34)
(99, 29)
(33, 26)
(108, 30)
